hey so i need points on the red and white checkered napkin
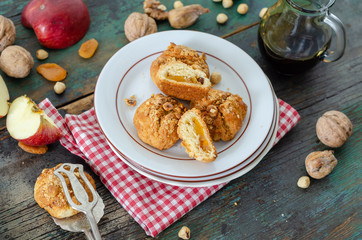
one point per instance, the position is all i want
(154, 205)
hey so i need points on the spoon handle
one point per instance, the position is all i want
(88, 234)
(94, 226)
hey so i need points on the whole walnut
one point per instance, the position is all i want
(334, 128)
(138, 25)
(7, 32)
(321, 163)
(16, 61)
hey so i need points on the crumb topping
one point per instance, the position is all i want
(156, 120)
(223, 112)
(49, 193)
(186, 55)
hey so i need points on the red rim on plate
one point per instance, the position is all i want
(248, 165)
(150, 148)
(156, 173)
(111, 83)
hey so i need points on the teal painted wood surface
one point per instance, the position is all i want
(263, 204)
(107, 26)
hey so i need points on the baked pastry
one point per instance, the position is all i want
(49, 193)
(156, 121)
(196, 137)
(223, 113)
(181, 72)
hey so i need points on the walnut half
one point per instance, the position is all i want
(155, 9)
(138, 25)
(7, 32)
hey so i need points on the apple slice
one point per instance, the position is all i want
(4, 98)
(28, 124)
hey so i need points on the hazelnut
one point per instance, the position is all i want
(321, 163)
(41, 54)
(167, 106)
(212, 110)
(178, 4)
(334, 128)
(59, 88)
(162, 7)
(221, 18)
(262, 12)
(215, 77)
(184, 233)
(16, 61)
(243, 8)
(227, 3)
(303, 182)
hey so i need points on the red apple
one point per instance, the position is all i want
(29, 124)
(4, 98)
(57, 23)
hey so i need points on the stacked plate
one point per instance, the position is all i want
(127, 73)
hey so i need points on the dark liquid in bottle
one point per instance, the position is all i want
(300, 51)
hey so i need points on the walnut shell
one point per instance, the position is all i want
(16, 61)
(321, 163)
(334, 128)
(138, 25)
(7, 32)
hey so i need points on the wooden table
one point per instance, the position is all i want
(263, 204)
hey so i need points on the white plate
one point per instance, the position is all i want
(226, 176)
(127, 74)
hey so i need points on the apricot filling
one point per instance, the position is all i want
(195, 80)
(204, 143)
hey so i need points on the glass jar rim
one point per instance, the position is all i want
(322, 9)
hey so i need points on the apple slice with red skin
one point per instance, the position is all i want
(4, 98)
(28, 124)
(57, 23)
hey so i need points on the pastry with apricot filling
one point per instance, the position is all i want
(156, 121)
(223, 113)
(196, 137)
(181, 72)
(49, 193)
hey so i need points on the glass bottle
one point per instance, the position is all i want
(294, 35)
